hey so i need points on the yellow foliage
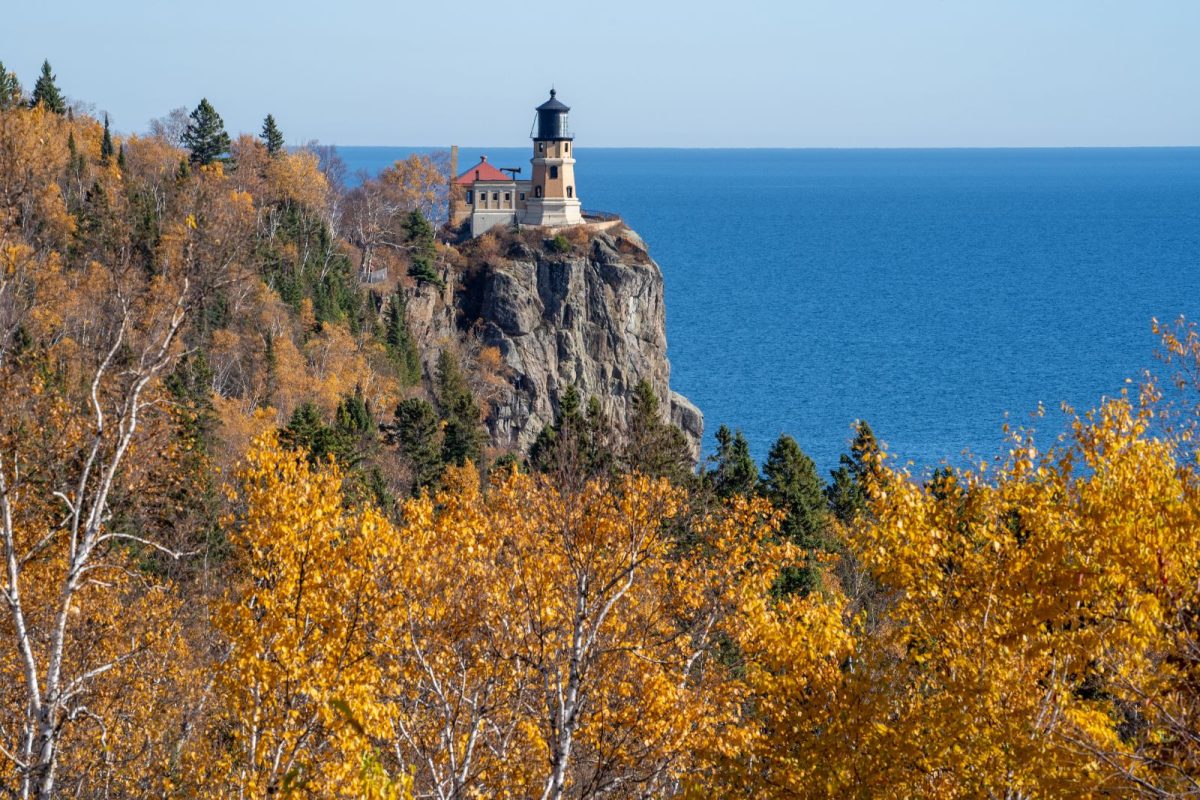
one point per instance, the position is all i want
(429, 649)
(1028, 619)
(296, 178)
(298, 686)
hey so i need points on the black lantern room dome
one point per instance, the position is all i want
(551, 122)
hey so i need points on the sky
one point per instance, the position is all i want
(798, 73)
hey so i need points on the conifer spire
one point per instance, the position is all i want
(205, 136)
(106, 144)
(46, 92)
(272, 136)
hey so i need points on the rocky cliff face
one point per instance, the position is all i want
(592, 317)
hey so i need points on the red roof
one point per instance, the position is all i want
(483, 171)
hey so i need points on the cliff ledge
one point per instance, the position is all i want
(590, 315)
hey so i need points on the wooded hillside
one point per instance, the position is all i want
(252, 548)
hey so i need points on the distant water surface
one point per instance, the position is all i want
(930, 292)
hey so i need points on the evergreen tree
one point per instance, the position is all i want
(846, 493)
(790, 481)
(121, 157)
(576, 446)
(735, 471)
(548, 450)
(570, 417)
(601, 440)
(462, 436)
(307, 430)
(190, 387)
(97, 222)
(271, 136)
(654, 447)
(352, 440)
(10, 89)
(205, 137)
(353, 416)
(356, 443)
(76, 162)
(541, 452)
(415, 432)
(46, 92)
(399, 341)
(106, 143)
(418, 233)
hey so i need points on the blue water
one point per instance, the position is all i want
(930, 292)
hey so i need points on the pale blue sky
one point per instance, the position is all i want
(808, 73)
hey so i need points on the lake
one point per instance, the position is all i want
(933, 293)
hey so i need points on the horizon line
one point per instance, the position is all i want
(792, 147)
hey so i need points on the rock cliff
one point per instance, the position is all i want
(591, 315)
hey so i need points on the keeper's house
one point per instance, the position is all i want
(486, 196)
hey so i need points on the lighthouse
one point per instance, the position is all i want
(552, 200)
(485, 197)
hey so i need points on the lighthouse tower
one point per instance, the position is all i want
(552, 200)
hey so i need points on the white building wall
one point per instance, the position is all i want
(483, 220)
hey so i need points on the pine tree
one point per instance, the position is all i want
(121, 157)
(654, 447)
(600, 438)
(205, 137)
(462, 437)
(356, 440)
(735, 471)
(271, 136)
(190, 387)
(415, 432)
(354, 413)
(106, 144)
(790, 481)
(46, 92)
(195, 494)
(76, 161)
(400, 343)
(847, 493)
(307, 430)
(418, 233)
(10, 89)
(576, 446)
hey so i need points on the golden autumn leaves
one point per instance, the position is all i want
(517, 642)
(1036, 637)
(1033, 635)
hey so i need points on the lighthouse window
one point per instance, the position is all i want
(554, 172)
(570, 191)
(541, 147)
(567, 147)
(537, 191)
